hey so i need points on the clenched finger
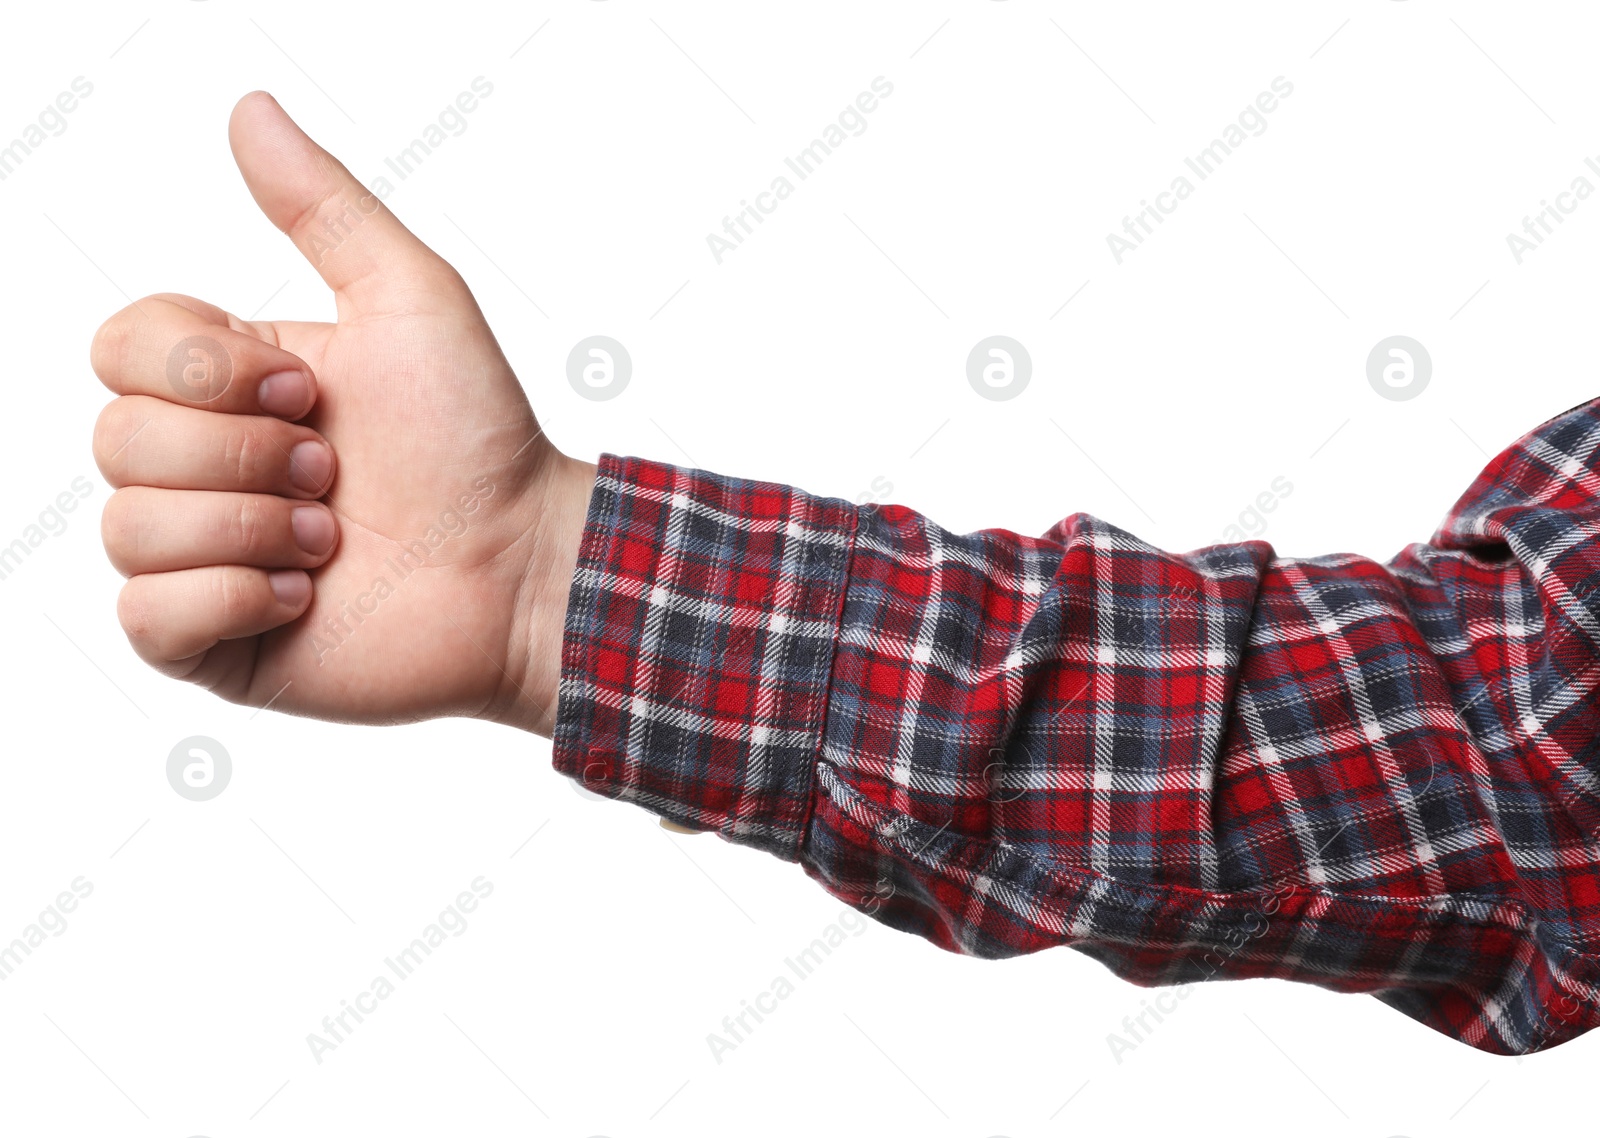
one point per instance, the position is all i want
(150, 530)
(170, 618)
(141, 441)
(165, 349)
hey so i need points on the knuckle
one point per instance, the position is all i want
(250, 527)
(112, 427)
(109, 348)
(119, 528)
(235, 599)
(134, 613)
(245, 456)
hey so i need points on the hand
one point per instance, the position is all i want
(359, 521)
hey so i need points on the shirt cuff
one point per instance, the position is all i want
(699, 639)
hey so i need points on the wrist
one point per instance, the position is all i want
(559, 497)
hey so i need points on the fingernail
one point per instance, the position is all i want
(292, 587)
(284, 393)
(313, 529)
(310, 464)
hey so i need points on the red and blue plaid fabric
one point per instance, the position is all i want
(1371, 777)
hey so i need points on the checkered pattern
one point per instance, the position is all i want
(1223, 763)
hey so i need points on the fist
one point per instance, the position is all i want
(361, 520)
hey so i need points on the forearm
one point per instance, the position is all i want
(700, 638)
(1216, 763)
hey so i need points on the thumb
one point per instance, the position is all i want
(371, 261)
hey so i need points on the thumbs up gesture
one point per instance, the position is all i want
(359, 521)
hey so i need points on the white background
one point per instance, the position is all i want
(828, 351)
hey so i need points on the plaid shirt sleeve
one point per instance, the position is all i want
(1219, 764)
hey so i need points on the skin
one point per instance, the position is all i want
(417, 408)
